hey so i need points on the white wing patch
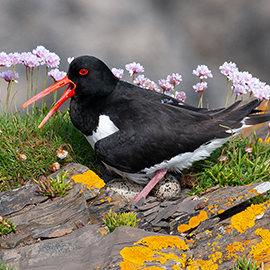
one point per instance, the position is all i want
(105, 128)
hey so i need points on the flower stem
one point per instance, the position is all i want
(46, 77)
(228, 93)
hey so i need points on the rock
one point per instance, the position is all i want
(52, 232)
(15, 200)
(86, 248)
(71, 208)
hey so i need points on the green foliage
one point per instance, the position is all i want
(21, 136)
(4, 266)
(57, 187)
(244, 264)
(6, 226)
(234, 164)
(113, 220)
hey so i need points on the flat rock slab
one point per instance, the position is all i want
(222, 200)
(67, 210)
(15, 200)
(223, 243)
(87, 248)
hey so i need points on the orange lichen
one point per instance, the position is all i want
(139, 255)
(159, 242)
(195, 221)
(232, 248)
(221, 211)
(216, 256)
(252, 191)
(89, 179)
(154, 268)
(183, 228)
(246, 219)
(206, 265)
(261, 251)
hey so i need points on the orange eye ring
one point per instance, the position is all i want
(83, 71)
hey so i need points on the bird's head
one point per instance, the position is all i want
(87, 77)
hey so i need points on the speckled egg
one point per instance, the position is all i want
(167, 188)
(126, 188)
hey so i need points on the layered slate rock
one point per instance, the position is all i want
(67, 233)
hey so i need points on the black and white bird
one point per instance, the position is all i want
(141, 134)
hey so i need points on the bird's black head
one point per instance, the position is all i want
(91, 76)
(88, 78)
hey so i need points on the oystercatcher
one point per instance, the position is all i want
(140, 133)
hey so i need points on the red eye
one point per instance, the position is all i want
(83, 71)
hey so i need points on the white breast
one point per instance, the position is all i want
(105, 128)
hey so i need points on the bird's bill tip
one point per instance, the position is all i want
(70, 91)
(66, 95)
(48, 90)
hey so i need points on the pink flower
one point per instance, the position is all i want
(56, 74)
(228, 68)
(41, 52)
(4, 60)
(134, 68)
(174, 79)
(165, 85)
(118, 72)
(146, 83)
(15, 58)
(262, 91)
(239, 89)
(7, 76)
(203, 72)
(52, 60)
(29, 59)
(200, 87)
(70, 59)
(181, 96)
(140, 80)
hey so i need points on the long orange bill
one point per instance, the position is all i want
(70, 91)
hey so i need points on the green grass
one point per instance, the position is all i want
(113, 220)
(244, 264)
(4, 266)
(239, 168)
(20, 135)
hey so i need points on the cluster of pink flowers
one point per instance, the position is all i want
(202, 72)
(134, 68)
(39, 56)
(146, 83)
(167, 85)
(56, 74)
(243, 82)
(118, 72)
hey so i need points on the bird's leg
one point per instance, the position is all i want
(159, 174)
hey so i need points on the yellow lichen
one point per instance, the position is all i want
(195, 221)
(221, 211)
(246, 219)
(232, 248)
(138, 255)
(206, 265)
(89, 179)
(261, 251)
(183, 228)
(154, 268)
(159, 242)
